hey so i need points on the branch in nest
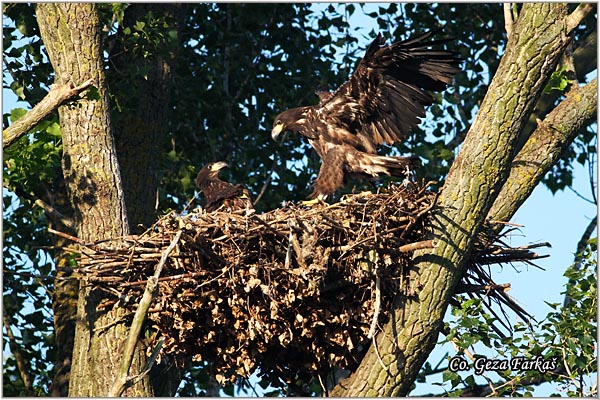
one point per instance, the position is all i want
(425, 244)
(66, 236)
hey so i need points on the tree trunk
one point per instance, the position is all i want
(474, 181)
(71, 34)
(64, 307)
(141, 128)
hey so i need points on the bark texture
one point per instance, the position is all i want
(583, 61)
(142, 86)
(71, 34)
(64, 306)
(475, 179)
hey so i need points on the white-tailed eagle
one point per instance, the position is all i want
(220, 194)
(380, 104)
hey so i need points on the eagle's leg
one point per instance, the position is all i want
(330, 178)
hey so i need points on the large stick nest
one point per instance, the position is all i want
(292, 292)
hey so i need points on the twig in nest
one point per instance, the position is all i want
(189, 203)
(377, 307)
(493, 221)
(149, 363)
(66, 236)
(419, 215)
(288, 254)
(425, 244)
(166, 278)
(267, 182)
(258, 219)
(478, 288)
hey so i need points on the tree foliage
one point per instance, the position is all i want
(567, 334)
(228, 69)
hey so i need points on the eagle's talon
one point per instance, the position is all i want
(313, 202)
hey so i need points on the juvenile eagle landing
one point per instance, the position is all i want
(219, 193)
(380, 103)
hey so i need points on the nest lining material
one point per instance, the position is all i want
(292, 292)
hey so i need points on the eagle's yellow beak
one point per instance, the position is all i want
(219, 166)
(277, 129)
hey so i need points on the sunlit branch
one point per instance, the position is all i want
(58, 95)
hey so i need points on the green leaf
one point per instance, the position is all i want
(18, 89)
(17, 113)
(54, 129)
(139, 26)
(448, 375)
(554, 306)
(558, 80)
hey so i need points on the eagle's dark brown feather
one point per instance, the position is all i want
(220, 194)
(380, 104)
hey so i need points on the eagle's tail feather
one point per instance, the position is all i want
(396, 166)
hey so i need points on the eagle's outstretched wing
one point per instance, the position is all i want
(387, 93)
(380, 103)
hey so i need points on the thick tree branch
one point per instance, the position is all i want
(581, 62)
(58, 95)
(578, 15)
(474, 181)
(545, 146)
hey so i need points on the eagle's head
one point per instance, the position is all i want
(210, 172)
(293, 120)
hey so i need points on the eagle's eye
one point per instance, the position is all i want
(278, 122)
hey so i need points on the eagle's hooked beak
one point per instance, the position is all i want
(277, 129)
(219, 166)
